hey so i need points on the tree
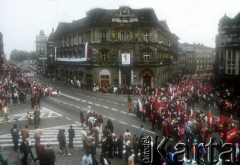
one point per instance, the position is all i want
(20, 55)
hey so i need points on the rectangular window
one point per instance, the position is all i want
(230, 62)
(105, 76)
(69, 41)
(146, 36)
(104, 56)
(127, 36)
(74, 39)
(87, 37)
(146, 56)
(104, 36)
(93, 36)
(79, 39)
(228, 38)
(122, 36)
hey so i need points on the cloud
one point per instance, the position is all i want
(191, 20)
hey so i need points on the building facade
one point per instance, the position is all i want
(117, 47)
(2, 57)
(189, 61)
(182, 59)
(198, 58)
(228, 52)
(41, 49)
(204, 57)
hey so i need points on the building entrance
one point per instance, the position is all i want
(147, 78)
(105, 78)
(147, 81)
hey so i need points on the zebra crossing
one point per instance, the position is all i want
(45, 113)
(49, 135)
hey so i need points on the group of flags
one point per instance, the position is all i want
(230, 134)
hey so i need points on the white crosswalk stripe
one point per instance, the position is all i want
(45, 113)
(49, 135)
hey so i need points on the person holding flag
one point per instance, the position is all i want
(141, 109)
(209, 117)
(130, 105)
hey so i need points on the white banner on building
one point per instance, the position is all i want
(86, 51)
(125, 58)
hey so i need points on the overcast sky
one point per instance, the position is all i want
(193, 21)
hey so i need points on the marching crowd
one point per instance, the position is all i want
(16, 88)
(171, 108)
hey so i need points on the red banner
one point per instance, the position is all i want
(231, 134)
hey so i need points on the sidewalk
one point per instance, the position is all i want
(74, 159)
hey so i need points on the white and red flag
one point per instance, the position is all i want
(141, 109)
(209, 117)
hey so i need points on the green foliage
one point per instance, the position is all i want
(20, 55)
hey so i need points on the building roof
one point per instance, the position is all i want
(99, 15)
(226, 19)
(237, 18)
(193, 47)
(164, 24)
(51, 35)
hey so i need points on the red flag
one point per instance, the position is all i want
(155, 102)
(160, 104)
(186, 116)
(178, 105)
(222, 120)
(231, 134)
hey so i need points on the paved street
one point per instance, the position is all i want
(49, 136)
(51, 122)
(63, 111)
(74, 159)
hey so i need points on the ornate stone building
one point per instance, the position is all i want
(116, 47)
(205, 58)
(2, 57)
(41, 49)
(189, 62)
(228, 52)
(198, 58)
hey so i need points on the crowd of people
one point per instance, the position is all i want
(45, 155)
(120, 146)
(17, 88)
(173, 109)
(170, 108)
